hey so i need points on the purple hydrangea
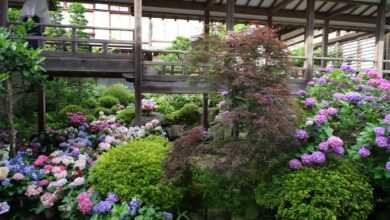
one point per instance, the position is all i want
(320, 119)
(323, 146)
(338, 96)
(364, 152)
(381, 141)
(348, 68)
(353, 97)
(335, 142)
(306, 159)
(295, 164)
(318, 157)
(387, 119)
(112, 197)
(331, 111)
(379, 132)
(4, 208)
(339, 150)
(301, 135)
(102, 207)
(301, 93)
(134, 205)
(387, 166)
(310, 102)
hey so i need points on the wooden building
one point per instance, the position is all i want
(287, 16)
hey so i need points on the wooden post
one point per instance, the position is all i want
(150, 32)
(41, 108)
(205, 115)
(325, 42)
(3, 13)
(269, 21)
(309, 46)
(380, 33)
(138, 60)
(230, 15)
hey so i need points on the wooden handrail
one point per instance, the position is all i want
(77, 27)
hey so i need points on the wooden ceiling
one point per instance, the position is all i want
(349, 14)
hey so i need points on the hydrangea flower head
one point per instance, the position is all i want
(320, 119)
(102, 207)
(387, 167)
(310, 102)
(4, 208)
(318, 157)
(301, 135)
(387, 119)
(379, 132)
(353, 97)
(381, 142)
(134, 205)
(323, 146)
(295, 164)
(364, 152)
(306, 159)
(335, 142)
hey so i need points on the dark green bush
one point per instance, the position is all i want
(134, 170)
(70, 109)
(90, 103)
(126, 115)
(336, 191)
(119, 91)
(188, 115)
(108, 101)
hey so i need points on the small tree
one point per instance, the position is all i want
(16, 58)
(77, 18)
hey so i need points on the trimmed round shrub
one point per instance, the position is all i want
(126, 116)
(188, 115)
(90, 103)
(119, 91)
(108, 101)
(336, 191)
(97, 111)
(134, 170)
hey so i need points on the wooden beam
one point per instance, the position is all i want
(230, 5)
(3, 13)
(138, 66)
(205, 113)
(41, 108)
(309, 38)
(379, 47)
(325, 42)
(280, 6)
(340, 10)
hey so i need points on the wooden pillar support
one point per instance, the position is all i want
(41, 108)
(230, 15)
(309, 37)
(380, 33)
(3, 13)
(150, 32)
(269, 21)
(205, 115)
(138, 60)
(325, 42)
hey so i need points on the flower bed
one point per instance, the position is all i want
(59, 180)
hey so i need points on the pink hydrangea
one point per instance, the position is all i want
(295, 164)
(331, 111)
(41, 160)
(33, 190)
(320, 119)
(44, 182)
(48, 199)
(310, 102)
(335, 142)
(84, 203)
(18, 177)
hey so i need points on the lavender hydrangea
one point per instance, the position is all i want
(387, 166)
(134, 205)
(339, 150)
(379, 132)
(323, 146)
(348, 68)
(331, 111)
(112, 197)
(310, 102)
(335, 142)
(320, 119)
(301, 135)
(387, 119)
(103, 207)
(364, 152)
(318, 157)
(295, 164)
(353, 97)
(381, 142)
(338, 96)
(306, 159)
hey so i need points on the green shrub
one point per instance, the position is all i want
(119, 91)
(70, 109)
(134, 170)
(90, 103)
(126, 116)
(108, 101)
(336, 191)
(97, 111)
(188, 115)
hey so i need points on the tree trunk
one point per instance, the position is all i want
(10, 114)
